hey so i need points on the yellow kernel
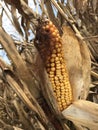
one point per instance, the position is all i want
(64, 104)
(47, 27)
(57, 39)
(54, 51)
(58, 36)
(65, 78)
(57, 62)
(58, 68)
(63, 93)
(53, 55)
(63, 70)
(51, 73)
(59, 100)
(52, 79)
(60, 107)
(57, 82)
(53, 85)
(52, 29)
(68, 102)
(60, 78)
(62, 66)
(62, 85)
(56, 46)
(61, 59)
(50, 76)
(62, 97)
(61, 81)
(59, 65)
(59, 55)
(63, 73)
(50, 23)
(52, 64)
(63, 101)
(52, 60)
(57, 92)
(56, 78)
(57, 96)
(66, 90)
(56, 59)
(58, 49)
(62, 90)
(58, 86)
(60, 45)
(53, 69)
(54, 33)
(58, 73)
(53, 26)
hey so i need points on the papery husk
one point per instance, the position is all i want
(84, 115)
(78, 63)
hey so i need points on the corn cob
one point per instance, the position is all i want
(49, 45)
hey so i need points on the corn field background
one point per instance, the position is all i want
(27, 100)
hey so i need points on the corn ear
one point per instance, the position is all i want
(49, 45)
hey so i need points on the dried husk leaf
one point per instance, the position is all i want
(15, 20)
(24, 94)
(78, 62)
(94, 4)
(21, 68)
(23, 9)
(81, 5)
(8, 1)
(84, 115)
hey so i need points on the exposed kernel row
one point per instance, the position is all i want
(51, 51)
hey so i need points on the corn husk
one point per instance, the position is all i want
(84, 115)
(78, 63)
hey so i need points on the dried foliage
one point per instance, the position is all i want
(27, 101)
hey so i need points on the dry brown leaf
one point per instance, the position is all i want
(81, 5)
(16, 128)
(8, 1)
(19, 64)
(94, 4)
(15, 20)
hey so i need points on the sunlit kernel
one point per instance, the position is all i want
(52, 29)
(52, 64)
(53, 69)
(54, 51)
(51, 76)
(54, 33)
(53, 55)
